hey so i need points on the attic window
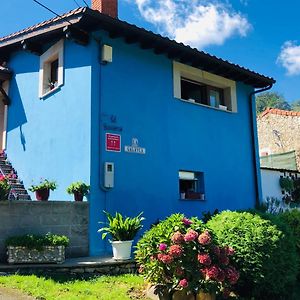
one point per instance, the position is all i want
(200, 87)
(51, 69)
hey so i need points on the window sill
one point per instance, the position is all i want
(207, 106)
(193, 200)
(49, 93)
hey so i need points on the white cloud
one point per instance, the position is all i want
(289, 58)
(198, 23)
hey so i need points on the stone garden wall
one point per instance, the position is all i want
(58, 217)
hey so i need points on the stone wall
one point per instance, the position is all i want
(279, 133)
(58, 217)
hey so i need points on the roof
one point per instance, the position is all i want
(280, 112)
(90, 20)
(279, 170)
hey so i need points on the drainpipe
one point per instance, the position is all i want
(255, 162)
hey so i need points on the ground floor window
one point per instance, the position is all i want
(191, 185)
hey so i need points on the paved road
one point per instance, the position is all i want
(11, 294)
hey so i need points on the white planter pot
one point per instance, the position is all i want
(121, 249)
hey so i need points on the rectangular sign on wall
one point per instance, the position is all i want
(113, 142)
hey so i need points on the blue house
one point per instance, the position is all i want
(151, 124)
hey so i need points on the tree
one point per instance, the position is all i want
(296, 105)
(271, 99)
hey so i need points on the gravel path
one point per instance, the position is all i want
(11, 294)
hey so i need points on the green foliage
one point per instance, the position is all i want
(207, 215)
(4, 188)
(296, 105)
(125, 287)
(287, 184)
(44, 184)
(121, 228)
(33, 241)
(160, 264)
(79, 187)
(271, 99)
(265, 252)
(292, 219)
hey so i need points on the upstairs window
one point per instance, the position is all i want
(191, 185)
(51, 69)
(200, 87)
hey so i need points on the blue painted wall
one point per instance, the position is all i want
(63, 137)
(50, 138)
(137, 89)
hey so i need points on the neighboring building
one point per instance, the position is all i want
(279, 132)
(273, 167)
(151, 124)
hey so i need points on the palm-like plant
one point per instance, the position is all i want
(121, 228)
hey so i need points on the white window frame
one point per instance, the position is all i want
(3, 135)
(53, 53)
(229, 86)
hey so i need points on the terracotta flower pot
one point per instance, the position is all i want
(78, 196)
(42, 195)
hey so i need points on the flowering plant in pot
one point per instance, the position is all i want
(180, 255)
(122, 230)
(42, 190)
(4, 187)
(79, 190)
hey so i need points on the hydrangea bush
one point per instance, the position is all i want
(181, 253)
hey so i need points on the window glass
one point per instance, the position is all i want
(191, 185)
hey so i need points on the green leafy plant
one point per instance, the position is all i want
(265, 252)
(32, 241)
(121, 228)
(180, 253)
(287, 184)
(43, 185)
(78, 187)
(4, 188)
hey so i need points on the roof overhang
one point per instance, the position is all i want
(88, 20)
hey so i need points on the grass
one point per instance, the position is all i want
(124, 287)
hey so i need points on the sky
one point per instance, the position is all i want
(263, 36)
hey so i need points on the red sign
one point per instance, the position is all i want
(113, 142)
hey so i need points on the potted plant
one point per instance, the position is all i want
(79, 190)
(4, 188)
(122, 230)
(30, 248)
(42, 190)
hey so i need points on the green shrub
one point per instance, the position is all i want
(265, 255)
(44, 184)
(4, 188)
(292, 219)
(33, 241)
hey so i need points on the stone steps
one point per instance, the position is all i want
(18, 191)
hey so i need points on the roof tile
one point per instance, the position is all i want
(281, 112)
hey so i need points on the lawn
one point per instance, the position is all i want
(104, 287)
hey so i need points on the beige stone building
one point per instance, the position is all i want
(279, 132)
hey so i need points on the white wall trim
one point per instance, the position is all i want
(181, 70)
(5, 86)
(54, 52)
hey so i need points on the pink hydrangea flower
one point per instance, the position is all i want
(191, 235)
(230, 251)
(179, 271)
(232, 275)
(211, 272)
(187, 221)
(183, 283)
(165, 258)
(204, 259)
(177, 237)
(175, 251)
(216, 250)
(221, 275)
(204, 238)
(163, 247)
(223, 259)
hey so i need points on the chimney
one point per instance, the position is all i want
(107, 7)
